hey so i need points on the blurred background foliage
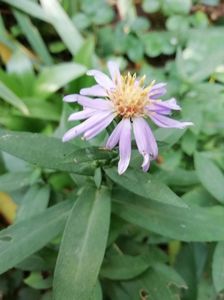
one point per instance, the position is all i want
(46, 47)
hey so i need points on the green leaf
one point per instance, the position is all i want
(123, 267)
(97, 292)
(34, 202)
(9, 96)
(210, 176)
(178, 177)
(19, 179)
(185, 224)
(53, 154)
(33, 36)
(145, 185)
(189, 142)
(203, 45)
(157, 284)
(36, 281)
(218, 267)
(33, 263)
(29, 7)
(151, 6)
(19, 241)
(62, 24)
(53, 78)
(83, 245)
(176, 6)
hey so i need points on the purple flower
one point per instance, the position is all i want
(126, 97)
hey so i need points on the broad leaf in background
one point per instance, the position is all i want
(210, 176)
(180, 223)
(19, 241)
(83, 245)
(202, 46)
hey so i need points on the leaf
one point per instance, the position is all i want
(203, 45)
(9, 96)
(35, 201)
(33, 36)
(28, 7)
(33, 263)
(145, 185)
(178, 177)
(83, 245)
(97, 292)
(218, 267)
(19, 179)
(123, 267)
(155, 284)
(62, 24)
(53, 154)
(36, 281)
(20, 240)
(210, 176)
(178, 223)
(53, 78)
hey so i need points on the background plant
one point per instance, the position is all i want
(69, 222)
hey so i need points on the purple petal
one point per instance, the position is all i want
(114, 137)
(95, 90)
(71, 98)
(171, 104)
(157, 91)
(124, 146)
(166, 122)
(145, 141)
(152, 144)
(86, 125)
(89, 134)
(80, 115)
(98, 104)
(146, 163)
(102, 79)
(114, 71)
(163, 107)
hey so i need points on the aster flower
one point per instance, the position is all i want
(126, 97)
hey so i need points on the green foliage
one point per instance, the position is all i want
(71, 227)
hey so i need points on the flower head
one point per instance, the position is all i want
(128, 98)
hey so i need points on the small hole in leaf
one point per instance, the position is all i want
(5, 238)
(144, 295)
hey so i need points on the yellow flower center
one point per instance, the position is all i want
(130, 96)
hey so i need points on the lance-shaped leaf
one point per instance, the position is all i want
(185, 224)
(210, 176)
(29, 7)
(62, 24)
(83, 245)
(10, 97)
(19, 241)
(218, 267)
(146, 186)
(51, 153)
